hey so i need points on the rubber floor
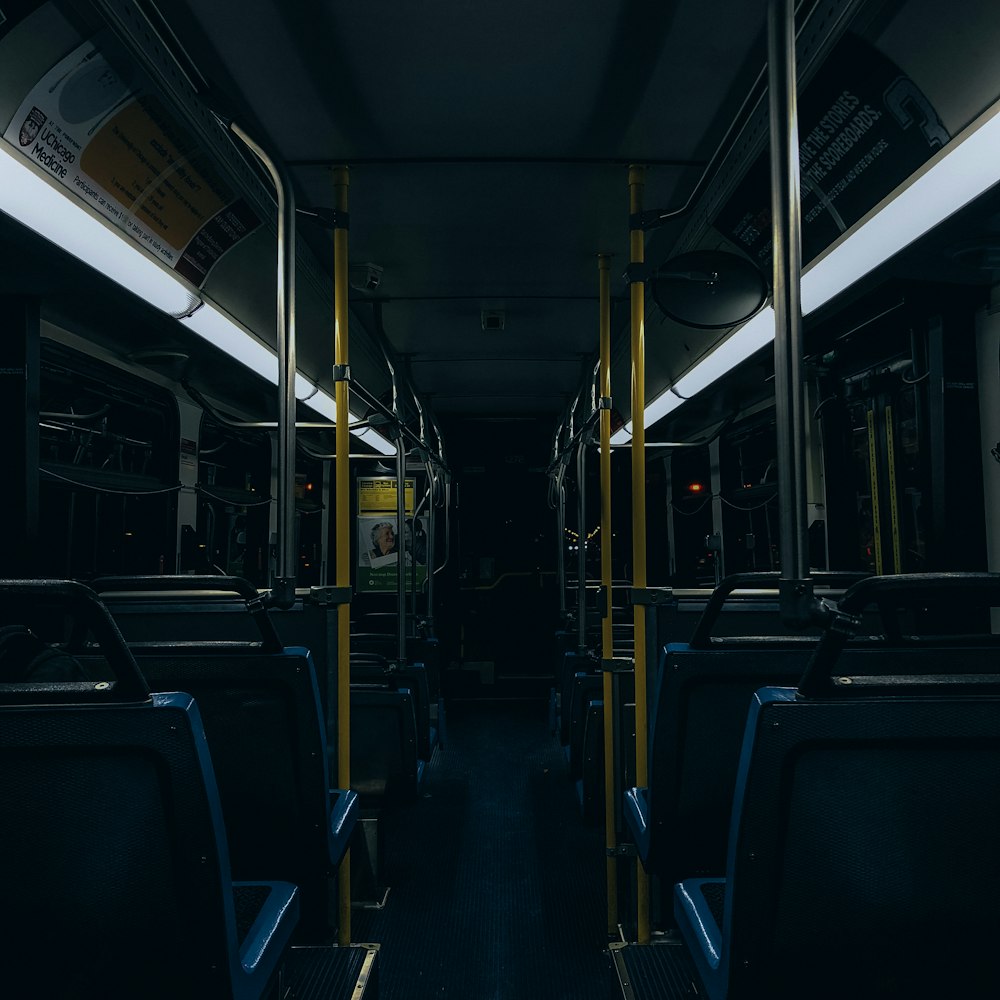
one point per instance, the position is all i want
(496, 887)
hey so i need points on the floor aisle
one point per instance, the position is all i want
(497, 890)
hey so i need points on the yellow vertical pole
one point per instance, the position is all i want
(637, 248)
(341, 182)
(607, 644)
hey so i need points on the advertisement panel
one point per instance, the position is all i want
(111, 142)
(864, 127)
(378, 536)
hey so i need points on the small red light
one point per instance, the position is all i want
(309, 486)
(695, 488)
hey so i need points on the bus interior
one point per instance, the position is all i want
(504, 499)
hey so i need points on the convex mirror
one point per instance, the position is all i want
(709, 289)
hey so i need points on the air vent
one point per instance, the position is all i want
(493, 320)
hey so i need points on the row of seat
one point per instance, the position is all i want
(394, 707)
(677, 616)
(116, 864)
(836, 840)
(256, 704)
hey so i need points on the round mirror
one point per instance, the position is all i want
(709, 289)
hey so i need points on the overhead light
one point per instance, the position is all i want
(758, 332)
(955, 176)
(220, 330)
(372, 437)
(38, 204)
(224, 332)
(323, 403)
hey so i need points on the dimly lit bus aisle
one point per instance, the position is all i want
(497, 890)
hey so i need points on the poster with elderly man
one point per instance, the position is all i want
(379, 536)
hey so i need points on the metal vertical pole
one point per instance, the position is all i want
(607, 641)
(570, 430)
(637, 253)
(283, 585)
(447, 495)
(668, 475)
(581, 544)
(190, 415)
(432, 482)
(416, 508)
(561, 542)
(432, 474)
(400, 497)
(786, 232)
(401, 544)
(341, 183)
(715, 479)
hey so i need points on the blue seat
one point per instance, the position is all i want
(680, 820)
(590, 786)
(385, 766)
(266, 735)
(374, 668)
(862, 855)
(261, 706)
(113, 854)
(571, 664)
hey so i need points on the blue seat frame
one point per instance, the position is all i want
(862, 857)
(262, 715)
(114, 860)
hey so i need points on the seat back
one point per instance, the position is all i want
(752, 607)
(586, 687)
(700, 704)
(863, 855)
(699, 715)
(379, 643)
(206, 608)
(211, 609)
(265, 731)
(374, 669)
(112, 841)
(571, 664)
(384, 764)
(427, 650)
(112, 853)
(699, 718)
(590, 787)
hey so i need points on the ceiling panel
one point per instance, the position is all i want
(488, 142)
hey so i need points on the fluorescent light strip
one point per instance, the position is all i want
(39, 204)
(222, 331)
(323, 403)
(213, 325)
(372, 437)
(955, 176)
